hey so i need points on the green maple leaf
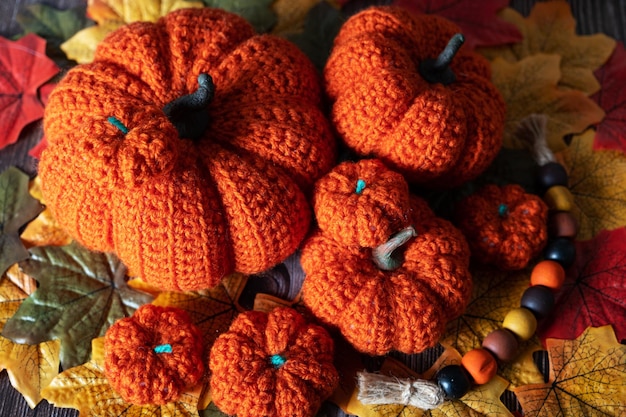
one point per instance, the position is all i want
(80, 295)
(17, 208)
(258, 12)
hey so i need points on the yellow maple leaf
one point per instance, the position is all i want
(586, 378)
(529, 86)
(551, 29)
(112, 14)
(291, 15)
(597, 180)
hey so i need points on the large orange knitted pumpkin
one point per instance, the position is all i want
(396, 96)
(385, 302)
(184, 146)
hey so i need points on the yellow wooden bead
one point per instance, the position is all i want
(559, 198)
(521, 322)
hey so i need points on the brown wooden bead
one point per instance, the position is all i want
(539, 300)
(552, 174)
(502, 344)
(559, 198)
(522, 322)
(549, 274)
(562, 224)
(480, 364)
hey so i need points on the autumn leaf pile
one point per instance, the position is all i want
(57, 299)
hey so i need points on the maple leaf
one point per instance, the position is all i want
(586, 378)
(24, 67)
(529, 86)
(478, 21)
(81, 293)
(17, 208)
(594, 292)
(551, 29)
(258, 13)
(290, 15)
(597, 180)
(611, 132)
(113, 14)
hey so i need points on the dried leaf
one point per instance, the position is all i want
(551, 29)
(530, 86)
(291, 15)
(80, 294)
(611, 132)
(586, 378)
(594, 292)
(597, 180)
(24, 67)
(258, 12)
(479, 21)
(17, 208)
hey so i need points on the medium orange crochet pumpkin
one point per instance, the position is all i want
(379, 301)
(504, 225)
(397, 96)
(184, 147)
(272, 364)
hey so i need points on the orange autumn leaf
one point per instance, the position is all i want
(597, 180)
(530, 86)
(551, 29)
(587, 378)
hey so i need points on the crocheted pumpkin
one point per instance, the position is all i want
(151, 357)
(184, 147)
(272, 364)
(379, 302)
(504, 225)
(397, 96)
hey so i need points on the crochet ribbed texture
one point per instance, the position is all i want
(377, 311)
(436, 135)
(504, 225)
(183, 213)
(272, 364)
(151, 357)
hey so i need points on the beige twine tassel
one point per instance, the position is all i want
(532, 131)
(377, 389)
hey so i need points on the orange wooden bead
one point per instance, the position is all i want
(480, 364)
(549, 274)
(521, 322)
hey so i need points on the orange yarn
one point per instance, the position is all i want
(184, 213)
(377, 311)
(504, 226)
(272, 364)
(435, 134)
(151, 357)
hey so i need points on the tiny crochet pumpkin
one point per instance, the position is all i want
(396, 95)
(272, 364)
(186, 148)
(379, 302)
(151, 357)
(504, 225)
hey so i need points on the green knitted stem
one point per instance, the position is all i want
(188, 113)
(384, 256)
(438, 70)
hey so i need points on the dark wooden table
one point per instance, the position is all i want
(607, 16)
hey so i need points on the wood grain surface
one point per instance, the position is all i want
(593, 16)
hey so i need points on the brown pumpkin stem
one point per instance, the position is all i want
(438, 70)
(384, 255)
(188, 113)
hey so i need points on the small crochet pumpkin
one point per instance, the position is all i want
(504, 225)
(379, 301)
(185, 148)
(272, 364)
(396, 95)
(151, 357)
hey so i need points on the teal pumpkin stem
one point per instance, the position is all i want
(438, 70)
(118, 124)
(503, 210)
(189, 112)
(385, 256)
(166, 348)
(277, 361)
(360, 186)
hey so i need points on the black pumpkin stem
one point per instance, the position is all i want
(385, 256)
(438, 70)
(188, 113)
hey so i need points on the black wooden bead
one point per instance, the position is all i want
(539, 300)
(552, 174)
(561, 250)
(454, 381)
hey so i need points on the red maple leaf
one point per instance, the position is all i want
(478, 19)
(24, 66)
(594, 292)
(611, 132)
